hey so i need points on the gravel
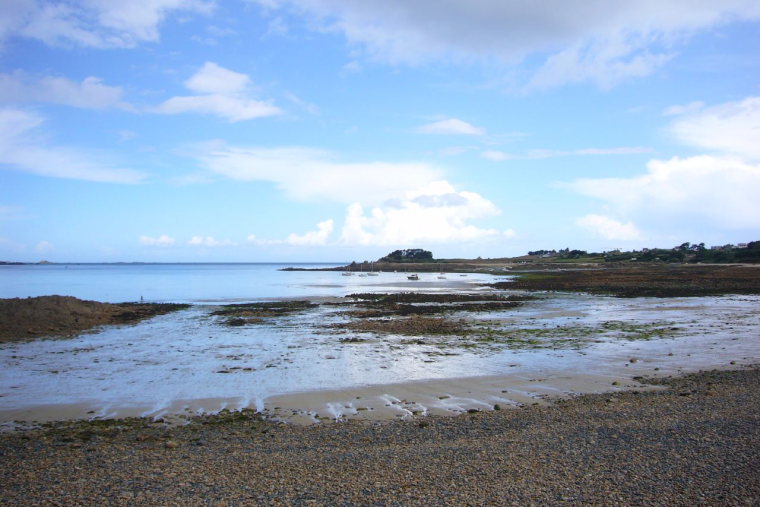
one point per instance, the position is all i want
(695, 442)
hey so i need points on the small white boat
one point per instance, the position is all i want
(413, 277)
(441, 276)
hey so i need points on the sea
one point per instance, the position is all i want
(213, 283)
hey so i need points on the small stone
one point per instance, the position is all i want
(171, 444)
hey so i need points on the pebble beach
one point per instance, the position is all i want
(697, 441)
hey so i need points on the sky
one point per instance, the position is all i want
(326, 130)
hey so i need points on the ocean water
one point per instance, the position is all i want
(204, 283)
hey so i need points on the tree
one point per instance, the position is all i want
(409, 255)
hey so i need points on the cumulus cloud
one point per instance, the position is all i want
(451, 126)
(318, 237)
(719, 192)
(309, 174)
(90, 93)
(313, 238)
(220, 92)
(436, 213)
(162, 240)
(732, 128)
(609, 228)
(91, 23)
(24, 147)
(716, 191)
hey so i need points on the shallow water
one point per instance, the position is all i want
(189, 362)
(203, 283)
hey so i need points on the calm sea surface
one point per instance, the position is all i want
(199, 283)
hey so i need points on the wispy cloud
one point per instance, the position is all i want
(210, 241)
(90, 93)
(498, 156)
(97, 24)
(220, 92)
(450, 126)
(24, 147)
(163, 240)
(677, 110)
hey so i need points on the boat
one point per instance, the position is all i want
(372, 271)
(413, 276)
(441, 276)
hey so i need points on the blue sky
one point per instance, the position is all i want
(323, 130)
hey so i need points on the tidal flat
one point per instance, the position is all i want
(374, 355)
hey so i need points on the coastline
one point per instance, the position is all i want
(694, 440)
(563, 346)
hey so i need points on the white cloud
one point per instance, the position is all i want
(677, 110)
(498, 156)
(44, 247)
(24, 148)
(696, 192)
(733, 128)
(609, 228)
(606, 65)
(451, 126)
(210, 241)
(495, 155)
(620, 150)
(307, 174)
(593, 41)
(436, 213)
(212, 79)
(452, 151)
(91, 93)
(91, 23)
(313, 238)
(222, 92)
(163, 240)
